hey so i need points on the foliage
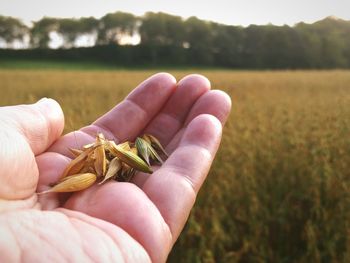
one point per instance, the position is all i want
(12, 29)
(279, 187)
(192, 41)
(113, 27)
(40, 32)
(72, 29)
(162, 29)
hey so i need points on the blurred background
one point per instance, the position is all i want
(279, 188)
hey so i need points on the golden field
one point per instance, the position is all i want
(279, 188)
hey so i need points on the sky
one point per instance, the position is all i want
(234, 12)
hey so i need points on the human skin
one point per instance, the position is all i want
(114, 222)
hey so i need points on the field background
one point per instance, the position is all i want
(278, 190)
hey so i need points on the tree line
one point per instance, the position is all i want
(171, 39)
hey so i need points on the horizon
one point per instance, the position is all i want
(57, 40)
(30, 24)
(238, 12)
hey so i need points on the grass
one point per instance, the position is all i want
(52, 65)
(91, 65)
(279, 188)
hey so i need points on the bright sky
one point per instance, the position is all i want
(234, 12)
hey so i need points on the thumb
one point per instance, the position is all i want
(40, 123)
(25, 131)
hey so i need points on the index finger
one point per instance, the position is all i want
(127, 119)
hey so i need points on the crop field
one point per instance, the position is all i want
(279, 189)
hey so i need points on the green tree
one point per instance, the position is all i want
(199, 37)
(228, 45)
(12, 29)
(252, 47)
(277, 46)
(332, 36)
(113, 27)
(88, 25)
(313, 45)
(162, 29)
(40, 32)
(71, 29)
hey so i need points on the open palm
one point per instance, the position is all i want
(117, 222)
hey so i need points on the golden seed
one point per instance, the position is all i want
(88, 146)
(134, 150)
(100, 156)
(124, 145)
(77, 164)
(73, 183)
(106, 159)
(114, 167)
(75, 152)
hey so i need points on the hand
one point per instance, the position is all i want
(132, 222)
